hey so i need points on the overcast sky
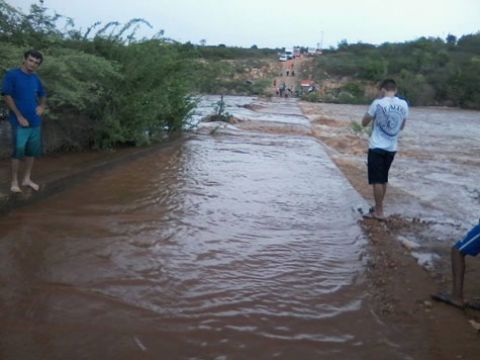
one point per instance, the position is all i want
(280, 23)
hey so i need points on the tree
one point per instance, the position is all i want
(469, 43)
(451, 39)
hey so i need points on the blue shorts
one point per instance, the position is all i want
(26, 141)
(470, 245)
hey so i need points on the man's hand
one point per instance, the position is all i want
(40, 110)
(366, 119)
(22, 121)
(13, 107)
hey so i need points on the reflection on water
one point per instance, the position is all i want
(227, 247)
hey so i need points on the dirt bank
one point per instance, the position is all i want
(399, 287)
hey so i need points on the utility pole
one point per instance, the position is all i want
(320, 44)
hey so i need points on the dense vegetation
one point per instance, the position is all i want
(430, 71)
(106, 88)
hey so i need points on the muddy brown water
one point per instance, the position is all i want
(233, 244)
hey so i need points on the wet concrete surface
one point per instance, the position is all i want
(59, 171)
(234, 243)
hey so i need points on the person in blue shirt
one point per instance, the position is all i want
(26, 99)
(469, 245)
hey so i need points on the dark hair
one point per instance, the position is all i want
(388, 84)
(33, 53)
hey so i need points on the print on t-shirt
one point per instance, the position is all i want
(389, 114)
(389, 119)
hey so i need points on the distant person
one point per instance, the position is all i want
(389, 114)
(282, 89)
(469, 245)
(287, 72)
(293, 72)
(26, 99)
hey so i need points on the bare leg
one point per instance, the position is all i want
(14, 184)
(379, 191)
(458, 273)
(27, 181)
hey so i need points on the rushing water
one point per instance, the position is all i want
(437, 170)
(232, 245)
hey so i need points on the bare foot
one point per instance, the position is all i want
(15, 188)
(373, 214)
(31, 184)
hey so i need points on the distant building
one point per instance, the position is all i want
(297, 51)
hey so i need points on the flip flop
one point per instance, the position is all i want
(446, 299)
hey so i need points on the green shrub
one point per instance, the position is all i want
(416, 88)
(311, 97)
(429, 71)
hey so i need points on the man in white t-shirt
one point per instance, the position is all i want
(388, 114)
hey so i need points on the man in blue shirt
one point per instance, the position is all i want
(26, 99)
(469, 245)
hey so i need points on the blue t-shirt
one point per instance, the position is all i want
(25, 89)
(470, 244)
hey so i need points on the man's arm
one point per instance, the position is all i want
(41, 106)
(13, 107)
(366, 119)
(403, 124)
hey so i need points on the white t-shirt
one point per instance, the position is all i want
(388, 115)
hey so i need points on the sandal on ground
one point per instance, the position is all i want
(446, 299)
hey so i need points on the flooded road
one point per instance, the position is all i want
(434, 178)
(235, 244)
